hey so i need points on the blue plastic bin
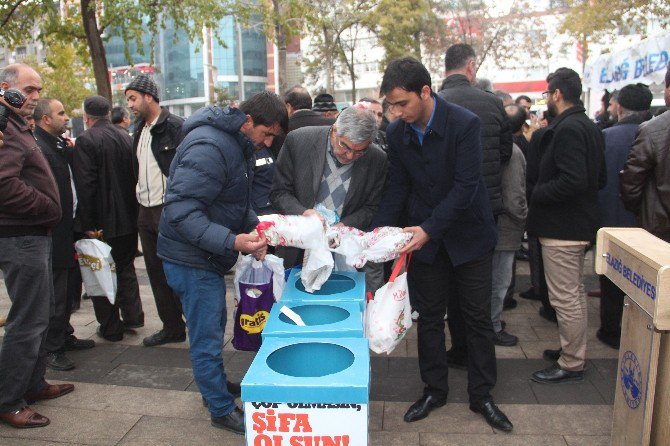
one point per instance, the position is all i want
(323, 320)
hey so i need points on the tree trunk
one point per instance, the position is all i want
(280, 37)
(329, 62)
(95, 47)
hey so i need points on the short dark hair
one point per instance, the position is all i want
(42, 109)
(265, 108)
(522, 97)
(667, 77)
(119, 114)
(298, 97)
(370, 100)
(568, 81)
(457, 56)
(516, 115)
(406, 73)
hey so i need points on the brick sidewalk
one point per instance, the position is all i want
(129, 394)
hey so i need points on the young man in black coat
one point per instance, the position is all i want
(51, 122)
(435, 174)
(564, 216)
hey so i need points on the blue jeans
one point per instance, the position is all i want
(503, 264)
(203, 299)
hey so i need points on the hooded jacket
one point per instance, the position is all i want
(208, 197)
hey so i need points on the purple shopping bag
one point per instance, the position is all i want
(252, 313)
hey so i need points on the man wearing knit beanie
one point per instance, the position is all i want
(631, 109)
(155, 143)
(325, 104)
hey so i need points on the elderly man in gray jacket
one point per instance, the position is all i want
(511, 224)
(336, 166)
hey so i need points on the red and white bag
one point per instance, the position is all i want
(388, 315)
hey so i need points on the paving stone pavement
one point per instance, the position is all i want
(127, 394)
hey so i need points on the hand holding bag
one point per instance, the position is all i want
(389, 314)
(256, 284)
(98, 270)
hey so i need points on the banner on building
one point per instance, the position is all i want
(644, 62)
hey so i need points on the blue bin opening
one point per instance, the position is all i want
(317, 315)
(310, 359)
(336, 284)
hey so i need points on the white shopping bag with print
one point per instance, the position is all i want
(389, 314)
(98, 271)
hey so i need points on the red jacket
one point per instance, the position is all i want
(28, 193)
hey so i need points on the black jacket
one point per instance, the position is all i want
(54, 151)
(564, 201)
(106, 180)
(165, 137)
(300, 119)
(495, 132)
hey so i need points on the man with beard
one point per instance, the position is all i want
(571, 172)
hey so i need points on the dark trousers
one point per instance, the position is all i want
(611, 308)
(74, 286)
(466, 291)
(167, 303)
(537, 278)
(128, 300)
(26, 265)
(61, 318)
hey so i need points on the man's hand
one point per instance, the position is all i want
(2, 139)
(251, 244)
(309, 212)
(419, 238)
(96, 233)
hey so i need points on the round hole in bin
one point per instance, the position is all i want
(310, 359)
(317, 315)
(337, 283)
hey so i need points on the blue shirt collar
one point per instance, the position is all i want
(418, 131)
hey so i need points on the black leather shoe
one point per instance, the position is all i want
(235, 389)
(162, 337)
(422, 408)
(552, 355)
(494, 416)
(554, 374)
(529, 294)
(114, 338)
(457, 360)
(233, 422)
(548, 315)
(132, 325)
(611, 340)
(510, 304)
(72, 343)
(58, 361)
(504, 339)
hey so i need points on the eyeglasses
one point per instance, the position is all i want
(545, 94)
(348, 150)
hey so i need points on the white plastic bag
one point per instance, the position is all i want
(305, 232)
(98, 270)
(358, 247)
(389, 314)
(297, 231)
(250, 270)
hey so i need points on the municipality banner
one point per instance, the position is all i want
(644, 62)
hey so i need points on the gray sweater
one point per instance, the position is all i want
(512, 221)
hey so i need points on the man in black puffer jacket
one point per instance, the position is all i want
(457, 88)
(496, 137)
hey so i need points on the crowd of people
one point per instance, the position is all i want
(467, 171)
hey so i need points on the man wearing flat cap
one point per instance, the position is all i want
(630, 110)
(105, 181)
(157, 135)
